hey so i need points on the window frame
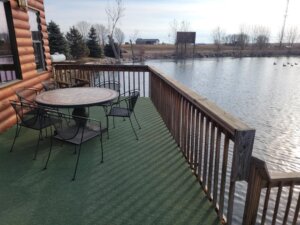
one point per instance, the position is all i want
(13, 44)
(40, 42)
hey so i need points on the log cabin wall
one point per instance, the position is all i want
(29, 76)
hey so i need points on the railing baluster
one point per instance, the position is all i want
(211, 157)
(277, 204)
(223, 178)
(144, 85)
(216, 170)
(296, 215)
(201, 148)
(288, 205)
(205, 164)
(197, 150)
(263, 218)
(188, 133)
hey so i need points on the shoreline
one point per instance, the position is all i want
(146, 52)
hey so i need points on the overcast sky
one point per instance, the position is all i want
(152, 18)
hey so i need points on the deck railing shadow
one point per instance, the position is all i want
(217, 146)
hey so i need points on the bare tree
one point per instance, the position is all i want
(260, 36)
(243, 37)
(292, 35)
(173, 30)
(134, 36)
(102, 33)
(281, 33)
(114, 14)
(119, 36)
(83, 27)
(218, 36)
(175, 26)
(184, 26)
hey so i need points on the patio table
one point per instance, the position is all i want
(77, 98)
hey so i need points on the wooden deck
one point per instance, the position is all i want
(140, 182)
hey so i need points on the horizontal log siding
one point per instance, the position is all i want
(30, 77)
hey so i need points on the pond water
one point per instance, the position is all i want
(263, 95)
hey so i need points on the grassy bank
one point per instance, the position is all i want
(206, 50)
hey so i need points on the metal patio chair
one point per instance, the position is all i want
(74, 130)
(120, 110)
(27, 95)
(113, 85)
(32, 117)
(49, 85)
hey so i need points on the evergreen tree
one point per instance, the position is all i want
(77, 45)
(93, 44)
(108, 51)
(57, 41)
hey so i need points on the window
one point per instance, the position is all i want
(7, 66)
(35, 27)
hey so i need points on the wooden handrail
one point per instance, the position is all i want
(230, 123)
(260, 178)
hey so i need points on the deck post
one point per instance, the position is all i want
(257, 178)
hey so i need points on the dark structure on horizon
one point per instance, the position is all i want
(183, 42)
(141, 41)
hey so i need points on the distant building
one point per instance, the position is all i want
(141, 41)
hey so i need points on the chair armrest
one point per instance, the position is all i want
(63, 84)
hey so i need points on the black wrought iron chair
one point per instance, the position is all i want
(32, 117)
(49, 85)
(113, 85)
(27, 95)
(74, 130)
(120, 110)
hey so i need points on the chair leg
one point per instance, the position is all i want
(114, 121)
(77, 161)
(107, 126)
(74, 150)
(49, 154)
(102, 156)
(37, 146)
(16, 135)
(133, 129)
(136, 120)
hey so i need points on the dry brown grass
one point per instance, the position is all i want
(168, 51)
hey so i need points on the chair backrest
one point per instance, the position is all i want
(132, 99)
(26, 94)
(66, 127)
(28, 114)
(114, 85)
(49, 85)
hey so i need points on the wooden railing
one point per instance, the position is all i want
(217, 146)
(130, 77)
(264, 188)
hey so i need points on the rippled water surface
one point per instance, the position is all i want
(263, 95)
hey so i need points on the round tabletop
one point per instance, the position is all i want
(76, 97)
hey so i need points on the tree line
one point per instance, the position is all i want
(83, 40)
(258, 36)
(92, 40)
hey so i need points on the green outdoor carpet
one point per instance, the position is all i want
(140, 182)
